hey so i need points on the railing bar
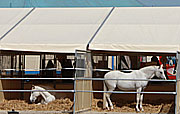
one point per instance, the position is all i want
(87, 91)
(37, 78)
(127, 92)
(125, 79)
(42, 69)
(100, 79)
(104, 70)
(37, 91)
(101, 70)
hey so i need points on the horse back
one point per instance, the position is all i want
(46, 87)
(117, 75)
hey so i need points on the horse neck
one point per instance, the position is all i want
(44, 94)
(149, 71)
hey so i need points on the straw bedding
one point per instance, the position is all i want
(66, 104)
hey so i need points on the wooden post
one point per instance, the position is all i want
(1, 93)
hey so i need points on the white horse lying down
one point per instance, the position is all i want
(144, 73)
(46, 96)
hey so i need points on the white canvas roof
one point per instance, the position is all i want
(52, 29)
(144, 29)
(9, 17)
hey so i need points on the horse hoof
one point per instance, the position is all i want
(39, 104)
(137, 110)
(112, 108)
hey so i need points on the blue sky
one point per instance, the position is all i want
(88, 3)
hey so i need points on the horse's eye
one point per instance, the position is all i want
(160, 72)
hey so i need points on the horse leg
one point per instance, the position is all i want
(141, 100)
(108, 98)
(43, 101)
(105, 103)
(111, 87)
(138, 98)
(50, 99)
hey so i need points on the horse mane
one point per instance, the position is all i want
(47, 88)
(148, 67)
(144, 68)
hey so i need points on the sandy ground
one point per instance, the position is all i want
(21, 105)
(65, 106)
(124, 106)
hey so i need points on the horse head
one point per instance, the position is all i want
(40, 92)
(34, 94)
(160, 72)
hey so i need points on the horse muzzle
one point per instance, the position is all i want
(32, 100)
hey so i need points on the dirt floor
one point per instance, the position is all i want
(125, 106)
(57, 105)
(66, 104)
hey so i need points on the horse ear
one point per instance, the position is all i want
(33, 86)
(160, 66)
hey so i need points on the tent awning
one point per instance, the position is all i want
(53, 29)
(10, 17)
(63, 30)
(147, 29)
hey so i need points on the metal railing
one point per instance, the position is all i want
(90, 91)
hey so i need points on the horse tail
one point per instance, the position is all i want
(104, 95)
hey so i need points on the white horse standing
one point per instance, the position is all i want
(47, 97)
(144, 73)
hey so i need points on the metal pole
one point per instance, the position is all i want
(74, 110)
(175, 103)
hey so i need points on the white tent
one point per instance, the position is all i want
(143, 29)
(50, 29)
(9, 17)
